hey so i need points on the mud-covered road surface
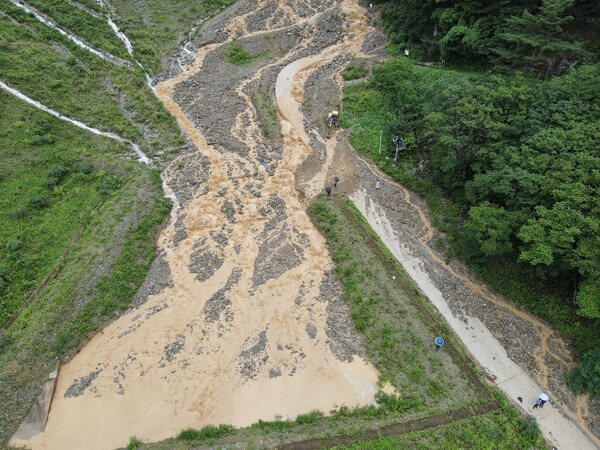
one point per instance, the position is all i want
(240, 318)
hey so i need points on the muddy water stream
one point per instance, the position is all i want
(244, 332)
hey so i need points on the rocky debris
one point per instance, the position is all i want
(80, 385)
(277, 252)
(228, 210)
(253, 190)
(301, 294)
(343, 340)
(276, 256)
(172, 349)
(375, 43)
(311, 330)
(219, 238)
(203, 261)
(188, 177)
(274, 373)
(155, 284)
(220, 301)
(180, 230)
(252, 359)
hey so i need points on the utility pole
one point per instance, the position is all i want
(400, 145)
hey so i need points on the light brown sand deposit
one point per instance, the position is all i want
(225, 343)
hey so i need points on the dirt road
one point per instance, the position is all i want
(240, 318)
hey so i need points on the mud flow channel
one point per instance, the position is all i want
(240, 318)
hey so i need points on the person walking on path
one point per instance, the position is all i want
(542, 399)
(335, 181)
(328, 190)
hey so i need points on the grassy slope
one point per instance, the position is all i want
(117, 203)
(93, 30)
(49, 68)
(365, 114)
(157, 27)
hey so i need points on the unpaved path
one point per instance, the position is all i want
(240, 318)
(521, 353)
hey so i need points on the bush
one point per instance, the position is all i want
(309, 418)
(5, 342)
(206, 433)
(57, 172)
(352, 72)
(51, 183)
(82, 167)
(20, 213)
(134, 443)
(14, 245)
(3, 281)
(38, 201)
(238, 55)
(587, 376)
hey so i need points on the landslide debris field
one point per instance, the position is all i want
(244, 317)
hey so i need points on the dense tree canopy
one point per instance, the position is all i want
(543, 36)
(522, 156)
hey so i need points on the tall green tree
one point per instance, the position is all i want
(538, 42)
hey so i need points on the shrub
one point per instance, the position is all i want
(5, 342)
(587, 376)
(208, 432)
(14, 245)
(57, 172)
(238, 55)
(352, 72)
(134, 443)
(309, 418)
(3, 281)
(38, 201)
(51, 183)
(82, 167)
(20, 213)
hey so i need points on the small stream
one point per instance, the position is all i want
(122, 36)
(142, 157)
(77, 41)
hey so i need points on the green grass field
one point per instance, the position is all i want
(157, 27)
(93, 30)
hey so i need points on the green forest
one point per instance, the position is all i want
(499, 105)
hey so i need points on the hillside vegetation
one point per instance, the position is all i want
(508, 155)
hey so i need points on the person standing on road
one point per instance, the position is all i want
(335, 181)
(542, 399)
(328, 190)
